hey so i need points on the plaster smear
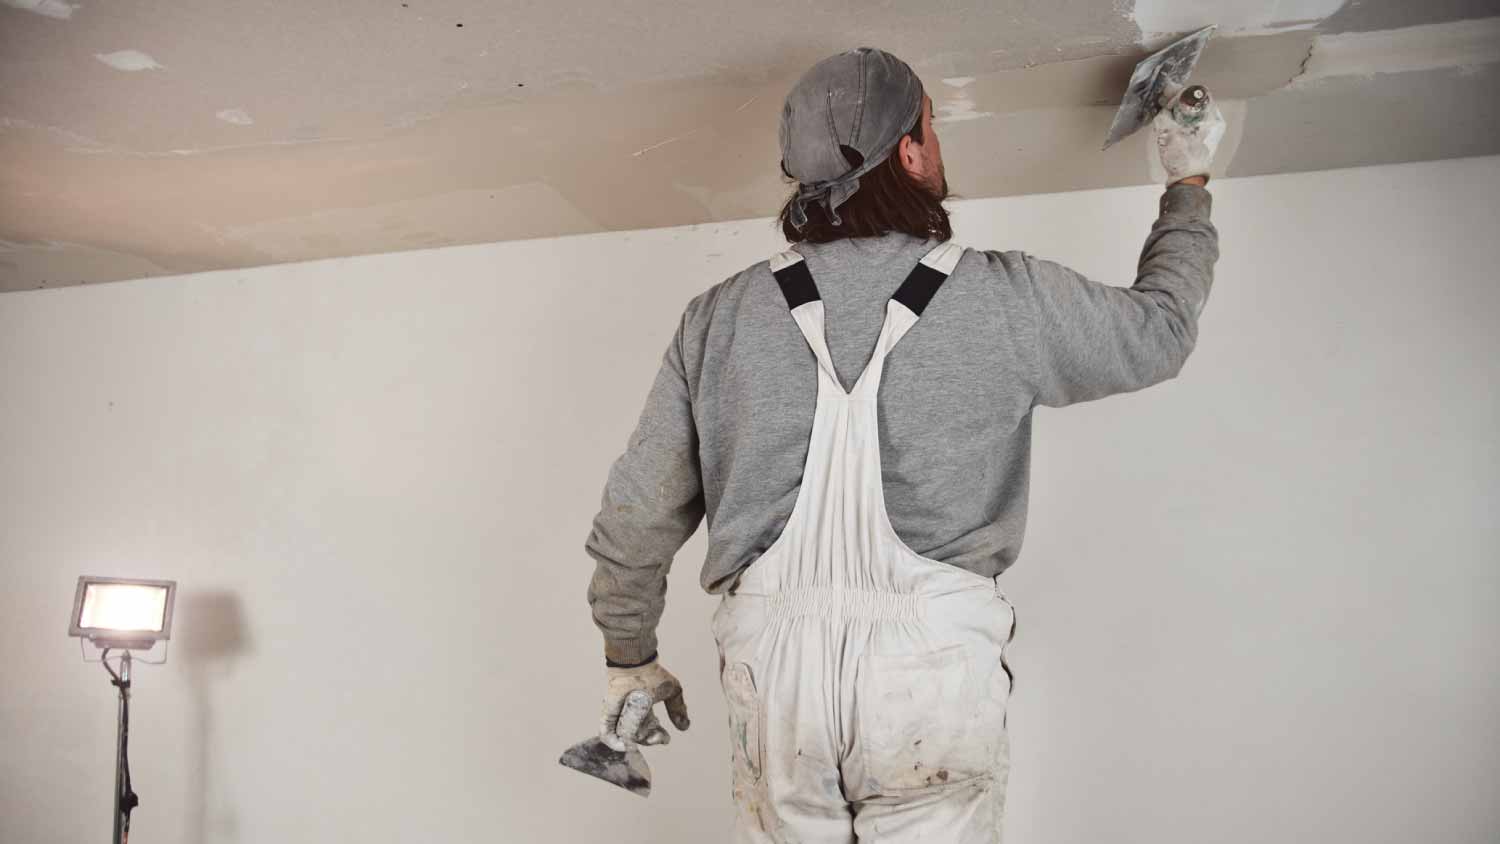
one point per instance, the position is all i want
(1460, 44)
(129, 60)
(237, 116)
(1235, 68)
(1157, 18)
(50, 8)
(960, 106)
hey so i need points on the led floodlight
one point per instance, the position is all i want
(121, 613)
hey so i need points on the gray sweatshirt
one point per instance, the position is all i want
(726, 424)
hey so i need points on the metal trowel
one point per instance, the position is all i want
(1158, 77)
(627, 768)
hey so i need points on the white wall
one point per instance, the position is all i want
(1258, 603)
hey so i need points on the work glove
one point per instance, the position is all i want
(1187, 142)
(621, 726)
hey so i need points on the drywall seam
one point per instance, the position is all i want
(1157, 18)
(184, 153)
(1457, 44)
(80, 143)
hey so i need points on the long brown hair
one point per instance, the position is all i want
(888, 199)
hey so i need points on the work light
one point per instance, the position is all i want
(121, 614)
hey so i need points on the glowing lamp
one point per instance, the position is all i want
(122, 614)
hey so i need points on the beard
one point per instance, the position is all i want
(940, 190)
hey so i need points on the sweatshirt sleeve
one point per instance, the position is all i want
(1094, 340)
(652, 504)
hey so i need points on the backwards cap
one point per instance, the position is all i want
(864, 99)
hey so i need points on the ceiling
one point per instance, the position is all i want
(147, 137)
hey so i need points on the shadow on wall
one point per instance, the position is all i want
(213, 637)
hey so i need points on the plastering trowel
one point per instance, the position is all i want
(1157, 79)
(625, 768)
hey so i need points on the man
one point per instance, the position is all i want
(857, 544)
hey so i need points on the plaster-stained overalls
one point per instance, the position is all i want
(866, 684)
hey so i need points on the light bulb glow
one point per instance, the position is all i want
(124, 607)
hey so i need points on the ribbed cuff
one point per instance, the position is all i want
(1192, 201)
(612, 664)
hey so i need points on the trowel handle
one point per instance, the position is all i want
(1191, 105)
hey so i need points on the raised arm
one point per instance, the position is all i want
(1094, 340)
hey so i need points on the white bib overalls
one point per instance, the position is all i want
(866, 684)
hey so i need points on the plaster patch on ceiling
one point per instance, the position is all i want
(1358, 121)
(958, 106)
(48, 8)
(237, 116)
(129, 60)
(1464, 45)
(1235, 68)
(1371, 15)
(1157, 18)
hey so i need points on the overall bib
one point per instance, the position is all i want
(866, 684)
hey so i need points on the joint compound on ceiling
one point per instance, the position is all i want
(237, 116)
(129, 60)
(1157, 18)
(958, 106)
(50, 8)
(1459, 44)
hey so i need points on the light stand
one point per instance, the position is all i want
(125, 797)
(124, 615)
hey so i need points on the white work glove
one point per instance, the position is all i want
(1188, 150)
(621, 726)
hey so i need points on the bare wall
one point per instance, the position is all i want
(1257, 603)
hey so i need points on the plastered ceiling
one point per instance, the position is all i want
(145, 137)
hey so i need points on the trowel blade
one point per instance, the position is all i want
(1160, 72)
(627, 769)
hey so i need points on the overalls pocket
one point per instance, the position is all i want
(746, 722)
(927, 719)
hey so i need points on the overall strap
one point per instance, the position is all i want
(902, 310)
(928, 276)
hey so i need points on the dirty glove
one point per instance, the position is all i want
(622, 726)
(1186, 138)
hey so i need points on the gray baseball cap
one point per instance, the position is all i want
(864, 99)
